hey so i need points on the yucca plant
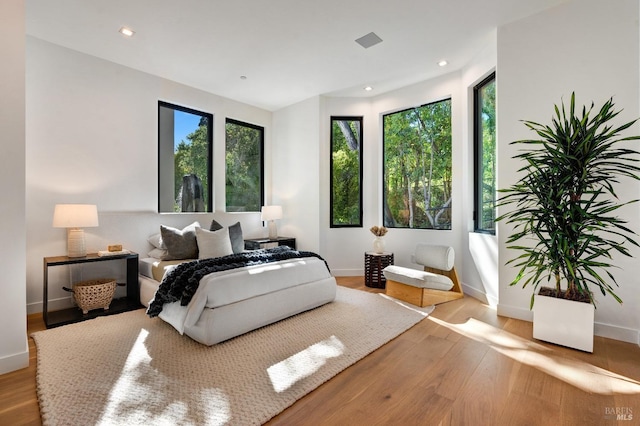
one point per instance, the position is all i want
(563, 206)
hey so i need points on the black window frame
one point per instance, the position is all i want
(478, 155)
(261, 129)
(209, 116)
(387, 219)
(360, 120)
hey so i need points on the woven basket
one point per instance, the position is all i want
(94, 294)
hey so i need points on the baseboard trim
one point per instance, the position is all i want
(347, 272)
(480, 295)
(15, 362)
(616, 332)
(515, 312)
(54, 305)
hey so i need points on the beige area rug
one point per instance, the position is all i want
(129, 369)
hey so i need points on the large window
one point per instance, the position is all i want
(244, 187)
(417, 167)
(485, 155)
(185, 140)
(346, 172)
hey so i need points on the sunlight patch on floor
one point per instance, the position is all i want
(286, 373)
(131, 396)
(575, 372)
(422, 311)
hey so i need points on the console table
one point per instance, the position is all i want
(70, 315)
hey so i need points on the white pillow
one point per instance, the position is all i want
(156, 241)
(213, 243)
(158, 253)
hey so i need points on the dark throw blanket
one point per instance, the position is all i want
(182, 282)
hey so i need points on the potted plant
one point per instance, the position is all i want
(565, 229)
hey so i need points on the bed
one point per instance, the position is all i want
(230, 301)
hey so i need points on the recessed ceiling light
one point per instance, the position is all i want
(368, 88)
(443, 63)
(126, 31)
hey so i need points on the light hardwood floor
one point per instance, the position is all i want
(463, 365)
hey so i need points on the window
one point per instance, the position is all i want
(346, 172)
(484, 141)
(244, 161)
(417, 167)
(185, 140)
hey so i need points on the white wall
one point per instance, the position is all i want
(295, 166)
(14, 350)
(345, 247)
(476, 259)
(92, 138)
(480, 251)
(592, 48)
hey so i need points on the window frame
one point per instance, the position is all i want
(261, 185)
(209, 192)
(360, 120)
(478, 156)
(385, 194)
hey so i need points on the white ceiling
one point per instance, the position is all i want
(289, 50)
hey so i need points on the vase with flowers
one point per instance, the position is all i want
(378, 242)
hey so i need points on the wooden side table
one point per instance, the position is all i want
(374, 263)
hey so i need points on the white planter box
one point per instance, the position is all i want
(563, 322)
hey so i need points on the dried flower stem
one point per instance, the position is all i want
(378, 231)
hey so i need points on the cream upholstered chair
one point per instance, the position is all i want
(437, 283)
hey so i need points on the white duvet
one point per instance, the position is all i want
(234, 286)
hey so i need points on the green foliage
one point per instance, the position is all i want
(417, 167)
(192, 157)
(243, 159)
(563, 206)
(488, 157)
(345, 185)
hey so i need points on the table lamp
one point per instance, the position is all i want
(270, 214)
(74, 217)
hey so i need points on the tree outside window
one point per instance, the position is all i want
(346, 172)
(485, 155)
(185, 141)
(417, 167)
(244, 162)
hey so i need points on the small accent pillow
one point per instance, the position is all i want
(156, 241)
(235, 235)
(158, 253)
(213, 243)
(215, 225)
(181, 244)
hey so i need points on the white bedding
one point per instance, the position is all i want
(228, 303)
(156, 268)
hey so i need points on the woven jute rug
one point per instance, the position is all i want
(129, 369)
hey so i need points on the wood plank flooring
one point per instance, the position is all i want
(463, 365)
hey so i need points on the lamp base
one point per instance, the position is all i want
(273, 229)
(76, 243)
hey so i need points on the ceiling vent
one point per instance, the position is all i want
(369, 40)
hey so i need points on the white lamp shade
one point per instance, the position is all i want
(271, 212)
(75, 216)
